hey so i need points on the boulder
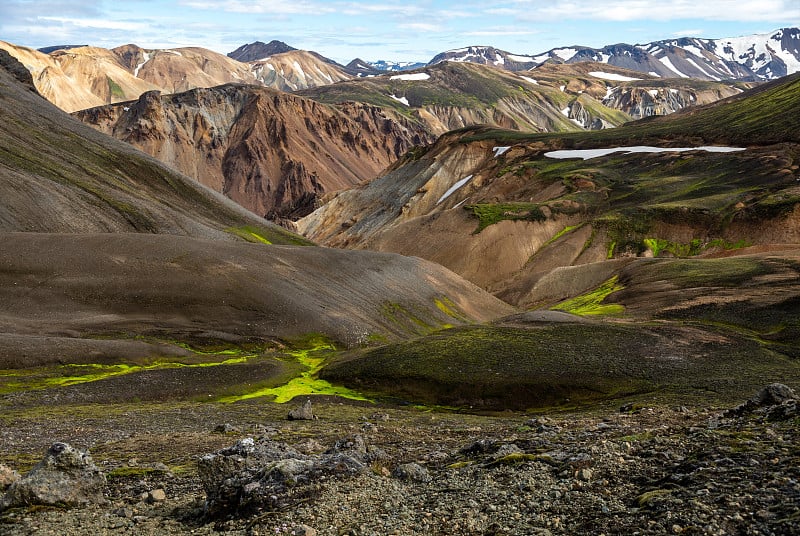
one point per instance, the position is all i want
(7, 476)
(302, 413)
(65, 477)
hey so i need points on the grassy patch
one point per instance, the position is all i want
(490, 213)
(251, 234)
(115, 89)
(591, 303)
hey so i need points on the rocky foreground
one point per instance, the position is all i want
(365, 470)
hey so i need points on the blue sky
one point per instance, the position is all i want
(412, 30)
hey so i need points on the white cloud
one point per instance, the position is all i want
(103, 24)
(278, 7)
(688, 33)
(631, 10)
(501, 30)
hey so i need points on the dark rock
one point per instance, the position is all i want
(258, 474)
(774, 394)
(226, 428)
(66, 476)
(302, 413)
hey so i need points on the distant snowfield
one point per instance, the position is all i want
(413, 76)
(529, 79)
(612, 76)
(594, 153)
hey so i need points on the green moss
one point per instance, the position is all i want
(489, 214)
(312, 355)
(515, 458)
(115, 89)
(449, 308)
(591, 303)
(251, 234)
(562, 232)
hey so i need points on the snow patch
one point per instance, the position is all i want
(565, 54)
(520, 59)
(401, 100)
(653, 93)
(454, 187)
(145, 58)
(413, 76)
(668, 64)
(174, 52)
(612, 76)
(565, 112)
(529, 79)
(586, 154)
(690, 60)
(562, 88)
(500, 151)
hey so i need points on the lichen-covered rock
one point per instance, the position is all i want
(66, 476)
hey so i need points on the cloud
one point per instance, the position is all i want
(279, 7)
(684, 33)
(635, 10)
(104, 24)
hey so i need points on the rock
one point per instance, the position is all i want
(584, 474)
(157, 495)
(412, 472)
(302, 413)
(65, 476)
(7, 476)
(262, 474)
(303, 530)
(772, 395)
(226, 428)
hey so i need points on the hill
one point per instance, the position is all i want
(274, 153)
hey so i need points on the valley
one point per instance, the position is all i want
(493, 294)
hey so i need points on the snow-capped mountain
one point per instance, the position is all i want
(489, 56)
(752, 57)
(383, 65)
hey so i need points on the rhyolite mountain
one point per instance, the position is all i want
(493, 207)
(272, 152)
(753, 57)
(110, 256)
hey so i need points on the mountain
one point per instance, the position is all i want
(272, 152)
(85, 77)
(297, 70)
(111, 257)
(181, 69)
(753, 57)
(359, 67)
(383, 65)
(259, 51)
(61, 176)
(79, 77)
(638, 95)
(492, 207)
(449, 96)
(48, 50)
(485, 55)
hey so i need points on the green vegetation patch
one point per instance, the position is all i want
(312, 354)
(591, 303)
(115, 89)
(491, 213)
(251, 234)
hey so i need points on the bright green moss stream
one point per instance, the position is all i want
(307, 383)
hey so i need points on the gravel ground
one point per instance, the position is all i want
(650, 470)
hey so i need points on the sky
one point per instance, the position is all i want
(404, 30)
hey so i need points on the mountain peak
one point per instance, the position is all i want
(259, 50)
